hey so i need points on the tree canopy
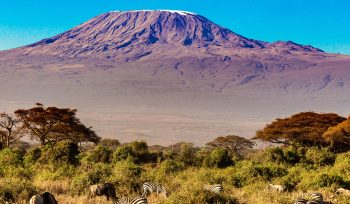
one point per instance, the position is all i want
(305, 128)
(54, 124)
(235, 145)
(339, 136)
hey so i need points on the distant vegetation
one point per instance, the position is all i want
(311, 156)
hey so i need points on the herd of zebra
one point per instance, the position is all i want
(312, 198)
(108, 190)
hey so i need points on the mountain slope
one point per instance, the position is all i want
(116, 33)
(167, 76)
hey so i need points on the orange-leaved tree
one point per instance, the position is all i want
(339, 136)
(305, 128)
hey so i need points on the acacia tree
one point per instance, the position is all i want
(74, 131)
(305, 128)
(339, 136)
(54, 124)
(9, 130)
(234, 144)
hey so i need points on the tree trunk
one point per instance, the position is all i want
(7, 142)
(42, 141)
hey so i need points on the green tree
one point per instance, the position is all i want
(218, 158)
(123, 153)
(187, 153)
(63, 152)
(304, 128)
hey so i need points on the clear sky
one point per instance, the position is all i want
(322, 23)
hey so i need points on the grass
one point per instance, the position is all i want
(244, 182)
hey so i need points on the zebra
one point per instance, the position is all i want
(150, 187)
(216, 188)
(134, 200)
(315, 198)
(301, 201)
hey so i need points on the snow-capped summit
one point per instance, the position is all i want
(153, 31)
(161, 10)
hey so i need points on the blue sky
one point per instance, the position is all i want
(322, 23)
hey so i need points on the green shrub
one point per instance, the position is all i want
(276, 154)
(98, 173)
(170, 166)
(319, 156)
(126, 174)
(124, 153)
(19, 172)
(55, 172)
(64, 152)
(218, 158)
(32, 156)
(100, 154)
(288, 155)
(187, 154)
(291, 155)
(317, 180)
(9, 157)
(12, 191)
(342, 165)
(267, 171)
(187, 187)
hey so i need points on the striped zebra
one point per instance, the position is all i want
(315, 198)
(150, 187)
(134, 200)
(301, 201)
(216, 188)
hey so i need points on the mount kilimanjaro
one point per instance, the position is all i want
(169, 76)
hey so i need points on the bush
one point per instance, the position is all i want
(98, 173)
(276, 154)
(11, 158)
(318, 180)
(283, 156)
(126, 174)
(54, 172)
(342, 165)
(13, 191)
(100, 154)
(267, 171)
(319, 156)
(187, 154)
(32, 156)
(170, 166)
(64, 152)
(124, 153)
(218, 158)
